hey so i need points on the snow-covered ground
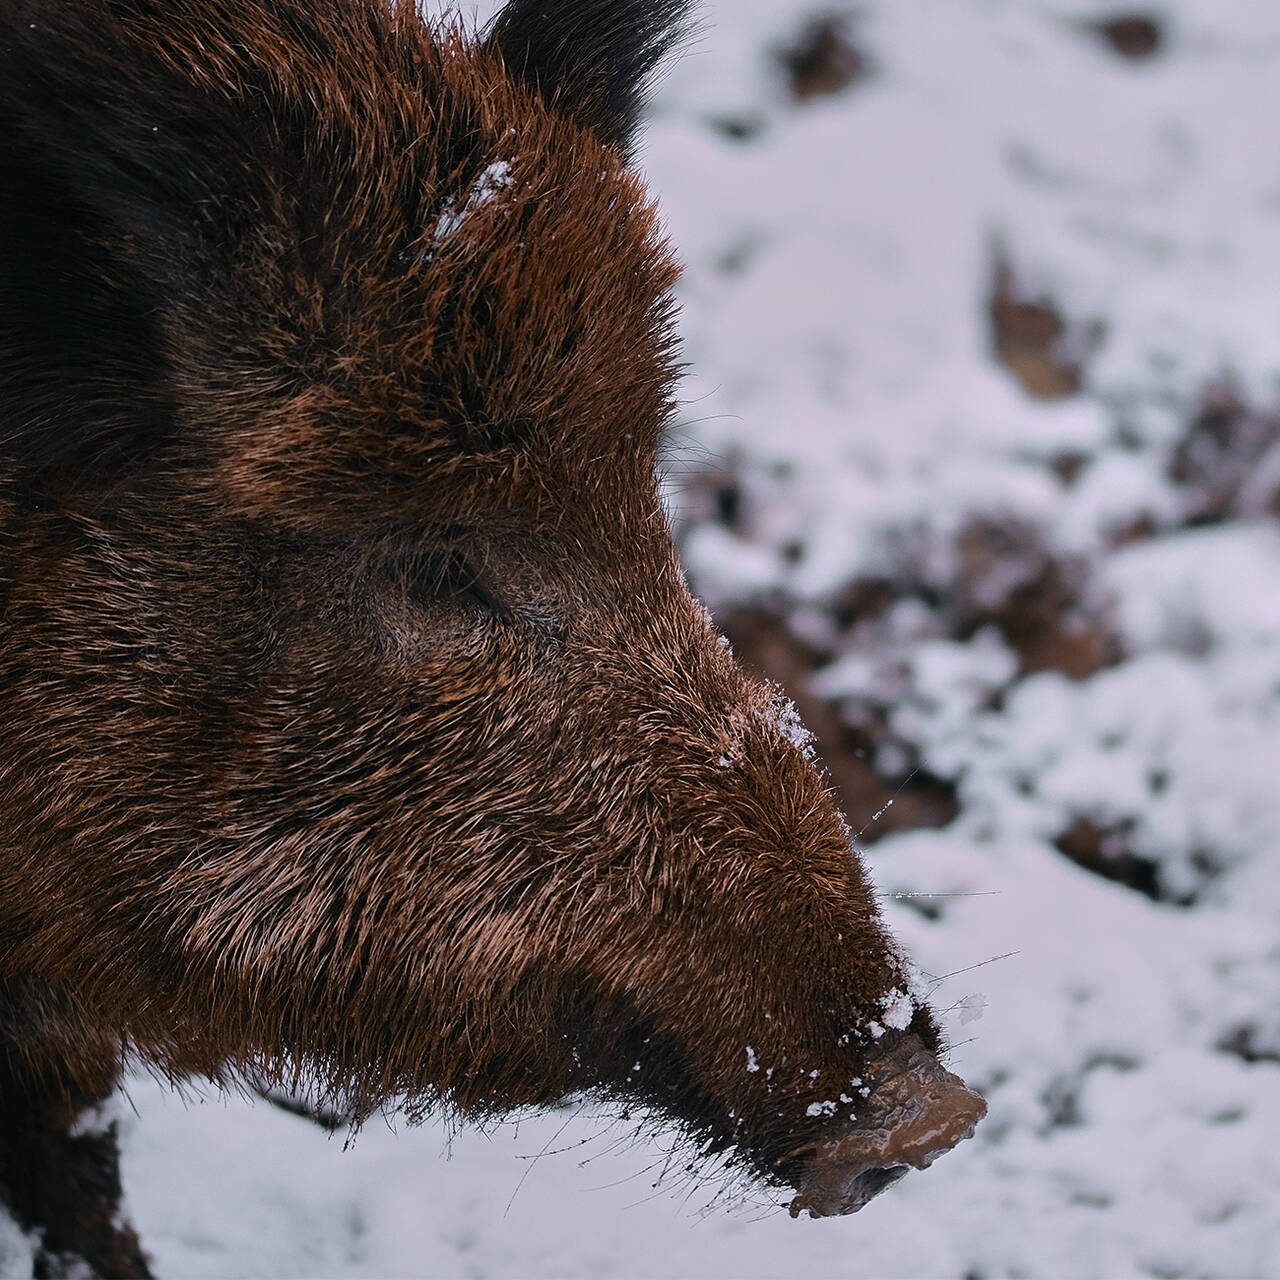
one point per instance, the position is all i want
(842, 253)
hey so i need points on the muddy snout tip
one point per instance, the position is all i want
(908, 1121)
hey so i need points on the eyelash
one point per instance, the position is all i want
(430, 579)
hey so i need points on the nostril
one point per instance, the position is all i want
(877, 1180)
(834, 1190)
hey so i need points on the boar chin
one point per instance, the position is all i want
(913, 1114)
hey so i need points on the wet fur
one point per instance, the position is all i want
(360, 731)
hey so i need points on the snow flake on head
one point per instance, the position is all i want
(752, 1064)
(491, 183)
(821, 1109)
(782, 716)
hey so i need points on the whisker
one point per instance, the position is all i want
(888, 804)
(771, 1211)
(631, 1177)
(559, 1151)
(660, 1190)
(529, 1169)
(623, 1140)
(969, 968)
(981, 893)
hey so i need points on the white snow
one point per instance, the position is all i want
(16, 1250)
(898, 1008)
(495, 179)
(839, 262)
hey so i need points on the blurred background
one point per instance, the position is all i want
(980, 457)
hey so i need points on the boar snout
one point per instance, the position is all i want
(915, 1112)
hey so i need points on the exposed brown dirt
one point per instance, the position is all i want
(1227, 464)
(1005, 576)
(1010, 578)
(823, 59)
(1250, 1044)
(1132, 35)
(764, 645)
(1034, 341)
(1105, 850)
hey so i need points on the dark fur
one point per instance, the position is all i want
(359, 728)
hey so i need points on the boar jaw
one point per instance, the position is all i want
(916, 1113)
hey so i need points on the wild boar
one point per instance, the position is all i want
(359, 728)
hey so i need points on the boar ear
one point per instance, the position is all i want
(591, 59)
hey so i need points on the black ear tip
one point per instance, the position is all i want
(592, 59)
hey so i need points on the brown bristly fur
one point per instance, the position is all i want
(360, 731)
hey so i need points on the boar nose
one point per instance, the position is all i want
(915, 1112)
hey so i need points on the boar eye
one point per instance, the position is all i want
(433, 578)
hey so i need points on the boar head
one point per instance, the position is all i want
(359, 722)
